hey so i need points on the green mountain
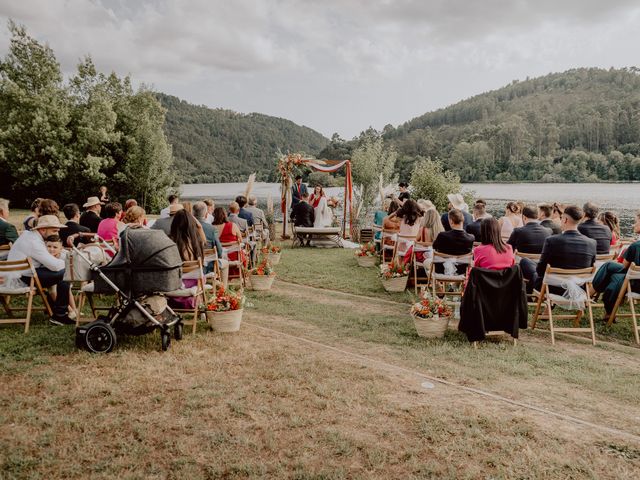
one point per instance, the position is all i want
(216, 145)
(580, 125)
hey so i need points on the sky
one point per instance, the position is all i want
(332, 65)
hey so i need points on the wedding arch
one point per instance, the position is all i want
(286, 166)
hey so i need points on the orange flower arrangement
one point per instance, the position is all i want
(394, 270)
(429, 307)
(366, 250)
(271, 249)
(226, 300)
(263, 269)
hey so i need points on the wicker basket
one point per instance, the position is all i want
(261, 282)
(274, 258)
(366, 261)
(228, 321)
(395, 284)
(434, 327)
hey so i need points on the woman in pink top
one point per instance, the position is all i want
(109, 228)
(494, 253)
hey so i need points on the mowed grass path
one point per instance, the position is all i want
(258, 404)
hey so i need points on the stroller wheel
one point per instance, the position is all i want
(177, 331)
(166, 340)
(100, 338)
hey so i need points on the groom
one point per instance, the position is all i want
(298, 189)
(303, 215)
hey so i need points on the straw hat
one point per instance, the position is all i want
(175, 208)
(49, 221)
(457, 201)
(91, 201)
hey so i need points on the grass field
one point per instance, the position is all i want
(319, 384)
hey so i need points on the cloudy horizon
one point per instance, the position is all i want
(334, 66)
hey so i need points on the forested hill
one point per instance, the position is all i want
(580, 125)
(215, 145)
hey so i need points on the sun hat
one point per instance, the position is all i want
(457, 201)
(175, 208)
(49, 221)
(91, 201)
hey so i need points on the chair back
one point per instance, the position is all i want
(534, 257)
(422, 246)
(466, 259)
(403, 243)
(15, 266)
(634, 272)
(210, 254)
(605, 257)
(4, 251)
(580, 273)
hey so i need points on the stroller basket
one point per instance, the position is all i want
(147, 262)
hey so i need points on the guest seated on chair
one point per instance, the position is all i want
(610, 220)
(234, 211)
(455, 241)
(493, 254)
(590, 227)
(50, 269)
(258, 214)
(74, 230)
(210, 232)
(228, 232)
(164, 224)
(479, 213)
(166, 212)
(456, 202)
(91, 216)
(111, 226)
(31, 219)
(529, 238)
(8, 233)
(391, 221)
(545, 212)
(610, 276)
(135, 217)
(245, 214)
(571, 250)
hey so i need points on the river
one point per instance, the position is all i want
(622, 198)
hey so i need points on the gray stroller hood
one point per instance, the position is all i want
(148, 262)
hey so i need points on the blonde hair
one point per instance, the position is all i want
(134, 214)
(431, 222)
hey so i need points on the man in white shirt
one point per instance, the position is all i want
(50, 269)
(173, 200)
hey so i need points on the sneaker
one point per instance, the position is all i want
(61, 320)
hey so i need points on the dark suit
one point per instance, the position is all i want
(474, 229)
(444, 218)
(296, 194)
(599, 232)
(211, 234)
(571, 250)
(303, 215)
(246, 215)
(453, 242)
(529, 238)
(548, 223)
(72, 229)
(91, 220)
(8, 233)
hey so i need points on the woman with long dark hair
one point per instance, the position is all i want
(493, 253)
(610, 220)
(409, 215)
(184, 232)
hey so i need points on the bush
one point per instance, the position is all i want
(431, 182)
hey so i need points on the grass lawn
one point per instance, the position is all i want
(317, 384)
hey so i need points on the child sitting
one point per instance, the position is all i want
(54, 247)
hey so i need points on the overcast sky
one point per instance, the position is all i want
(333, 65)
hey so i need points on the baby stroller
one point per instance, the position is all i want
(147, 264)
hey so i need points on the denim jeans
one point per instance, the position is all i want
(49, 278)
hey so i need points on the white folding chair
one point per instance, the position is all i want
(633, 274)
(563, 278)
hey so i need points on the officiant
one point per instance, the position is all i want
(298, 190)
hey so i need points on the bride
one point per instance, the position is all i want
(323, 214)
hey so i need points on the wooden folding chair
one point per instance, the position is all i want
(551, 299)
(216, 276)
(402, 245)
(532, 298)
(7, 291)
(632, 274)
(198, 293)
(455, 281)
(377, 239)
(424, 280)
(388, 244)
(238, 264)
(4, 251)
(604, 258)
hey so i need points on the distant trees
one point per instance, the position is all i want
(63, 141)
(576, 126)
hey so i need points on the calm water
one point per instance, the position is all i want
(622, 198)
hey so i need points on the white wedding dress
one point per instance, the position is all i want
(323, 214)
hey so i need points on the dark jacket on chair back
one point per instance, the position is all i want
(599, 232)
(529, 238)
(494, 300)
